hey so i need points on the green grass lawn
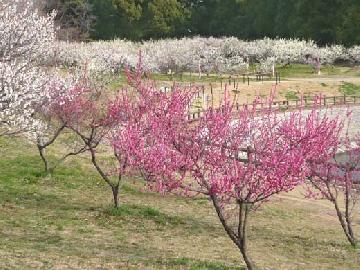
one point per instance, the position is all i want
(350, 89)
(65, 221)
(303, 71)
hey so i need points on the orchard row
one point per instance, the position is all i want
(203, 55)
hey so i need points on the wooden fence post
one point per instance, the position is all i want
(212, 96)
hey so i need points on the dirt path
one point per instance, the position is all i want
(289, 88)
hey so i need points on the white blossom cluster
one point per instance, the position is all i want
(202, 55)
(101, 56)
(354, 54)
(26, 41)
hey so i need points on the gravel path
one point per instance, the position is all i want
(341, 111)
(354, 127)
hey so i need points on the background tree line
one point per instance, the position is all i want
(325, 21)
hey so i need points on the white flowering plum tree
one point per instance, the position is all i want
(354, 54)
(26, 38)
(203, 55)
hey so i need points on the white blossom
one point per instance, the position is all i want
(26, 40)
(201, 55)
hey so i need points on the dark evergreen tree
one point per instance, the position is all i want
(325, 21)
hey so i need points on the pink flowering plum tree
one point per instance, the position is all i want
(134, 106)
(55, 113)
(100, 121)
(237, 159)
(337, 179)
(83, 111)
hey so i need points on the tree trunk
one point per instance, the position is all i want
(347, 212)
(248, 262)
(41, 145)
(238, 238)
(345, 222)
(114, 187)
(344, 226)
(115, 192)
(318, 66)
(244, 210)
(42, 155)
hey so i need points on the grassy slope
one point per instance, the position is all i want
(65, 222)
